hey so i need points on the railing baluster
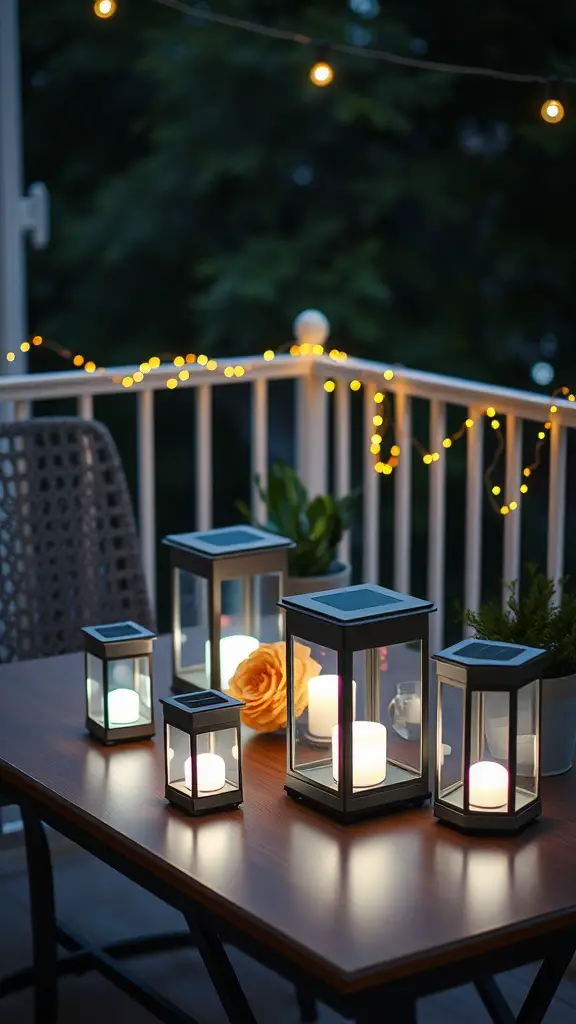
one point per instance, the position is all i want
(146, 489)
(85, 406)
(259, 446)
(474, 496)
(403, 493)
(437, 522)
(312, 434)
(557, 505)
(22, 410)
(371, 534)
(204, 457)
(512, 522)
(342, 454)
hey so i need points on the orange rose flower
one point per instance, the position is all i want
(260, 681)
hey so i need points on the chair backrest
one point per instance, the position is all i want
(69, 554)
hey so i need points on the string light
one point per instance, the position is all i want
(395, 450)
(355, 385)
(469, 423)
(377, 421)
(329, 386)
(37, 339)
(524, 488)
(171, 383)
(268, 355)
(495, 424)
(78, 360)
(496, 490)
(321, 72)
(10, 356)
(447, 442)
(490, 411)
(504, 510)
(388, 374)
(552, 111)
(105, 8)
(179, 361)
(378, 397)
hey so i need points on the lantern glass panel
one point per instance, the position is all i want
(216, 761)
(95, 688)
(451, 706)
(129, 689)
(527, 769)
(191, 617)
(489, 751)
(389, 691)
(312, 746)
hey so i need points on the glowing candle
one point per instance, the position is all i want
(123, 707)
(488, 786)
(210, 773)
(368, 754)
(233, 651)
(323, 705)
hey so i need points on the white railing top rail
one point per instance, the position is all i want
(416, 383)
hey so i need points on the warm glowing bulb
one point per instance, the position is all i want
(154, 362)
(127, 382)
(268, 355)
(524, 488)
(333, 353)
(295, 350)
(78, 360)
(105, 8)
(378, 397)
(490, 411)
(379, 467)
(184, 374)
(552, 111)
(37, 339)
(527, 471)
(377, 421)
(138, 376)
(202, 360)
(541, 435)
(25, 346)
(306, 349)
(496, 489)
(190, 357)
(387, 469)
(495, 424)
(229, 371)
(318, 350)
(321, 73)
(376, 439)
(374, 449)
(172, 383)
(211, 364)
(388, 374)
(395, 450)
(571, 398)
(513, 505)
(548, 425)
(427, 459)
(469, 423)
(355, 385)
(447, 442)
(435, 456)
(329, 386)
(553, 408)
(504, 510)
(10, 356)
(179, 361)
(90, 366)
(238, 370)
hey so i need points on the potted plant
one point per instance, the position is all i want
(534, 620)
(316, 526)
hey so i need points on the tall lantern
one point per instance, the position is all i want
(226, 585)
(488, 744)
(358, 731)
(118, 677)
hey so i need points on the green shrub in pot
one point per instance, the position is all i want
(315, 525)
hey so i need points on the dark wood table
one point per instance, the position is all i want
(366, 916)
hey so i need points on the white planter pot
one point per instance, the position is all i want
(558, 724)
(558, 727)
(310, 584)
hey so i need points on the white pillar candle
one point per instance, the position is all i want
(210, 773)
(413, 713)
(233, 651)
(488, 786)
(368, 754)
(323, 705)
(123, 707)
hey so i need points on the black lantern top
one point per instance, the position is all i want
(202, 711)
(199, 551)
(356, 612)
(490, 665)
(118, 640)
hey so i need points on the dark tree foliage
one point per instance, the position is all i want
(204, 192)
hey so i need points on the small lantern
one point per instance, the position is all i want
(361, 744)
(203, 755)
(226, 584)
(118, 660)
(488, 747)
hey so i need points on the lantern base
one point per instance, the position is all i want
(487, 822)
(360, 812)
(220, 801)
(121, 734)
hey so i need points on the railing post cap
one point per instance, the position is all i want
(312, 327)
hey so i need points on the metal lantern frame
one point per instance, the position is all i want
(487, 667)
(196, 714)
(230, 553)
(379, 618)
(112, 642)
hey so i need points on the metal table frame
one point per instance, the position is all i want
(207, 931)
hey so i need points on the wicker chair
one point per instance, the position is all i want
(69, 552)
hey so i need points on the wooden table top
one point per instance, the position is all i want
(356, 905)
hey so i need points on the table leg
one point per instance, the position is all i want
(308, 1007)
(222, 975)
(43, 920)
(545, 984)
(402, 1011)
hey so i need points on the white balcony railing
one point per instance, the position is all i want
(314, 447)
